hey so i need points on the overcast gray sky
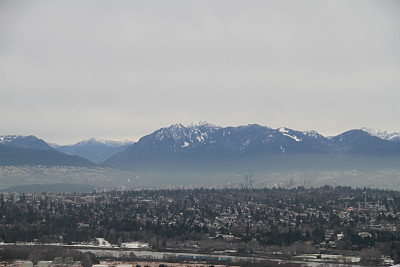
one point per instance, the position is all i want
(70, 70)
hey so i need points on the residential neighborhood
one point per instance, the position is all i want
(362, 223)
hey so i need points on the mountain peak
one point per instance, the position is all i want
(312, 133)
(202, 123)
(94, 149)
(382, 134)
(94, 141)
(283, 130)
(194, 124)
(176, 126)
(24, 141)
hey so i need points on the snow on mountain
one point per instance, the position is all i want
(95, 150)
(312, 133)
(195, 133)
(241, 138)
(202, 123)
(9, 138)
(286, 131)
(30, 141)
(210, 145)
(204, 140)
(382, 134)
(111, 143)
(283, 130)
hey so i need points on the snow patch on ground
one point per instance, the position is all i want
(100, 242)
(134, 245)
(103, 242)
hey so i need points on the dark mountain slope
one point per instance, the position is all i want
(362, 143)
(16, 156)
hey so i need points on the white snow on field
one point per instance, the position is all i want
(100, 242)
(328, 257)
(134, 245)
(103, 242)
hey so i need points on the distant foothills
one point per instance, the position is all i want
(205, 150)
(200, 142)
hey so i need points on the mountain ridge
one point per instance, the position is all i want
(94, 150)
(22, 141)
(383, 134)
(18, 156)
(206, 143)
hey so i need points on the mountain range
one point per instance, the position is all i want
(204, 146)
(207, 145)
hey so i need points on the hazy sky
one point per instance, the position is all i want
(71, 70)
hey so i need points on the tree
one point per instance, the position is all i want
(368, 255)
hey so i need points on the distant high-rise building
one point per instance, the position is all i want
(248, 180)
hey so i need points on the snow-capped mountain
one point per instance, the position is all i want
(95, 150)
(208, 138)
(185, 137)
(382, 134)
(109, 143)
(205, 143)
(21, 141)
(19, 150)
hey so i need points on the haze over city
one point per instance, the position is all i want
(71, 70)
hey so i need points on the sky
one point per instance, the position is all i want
(71, 70)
